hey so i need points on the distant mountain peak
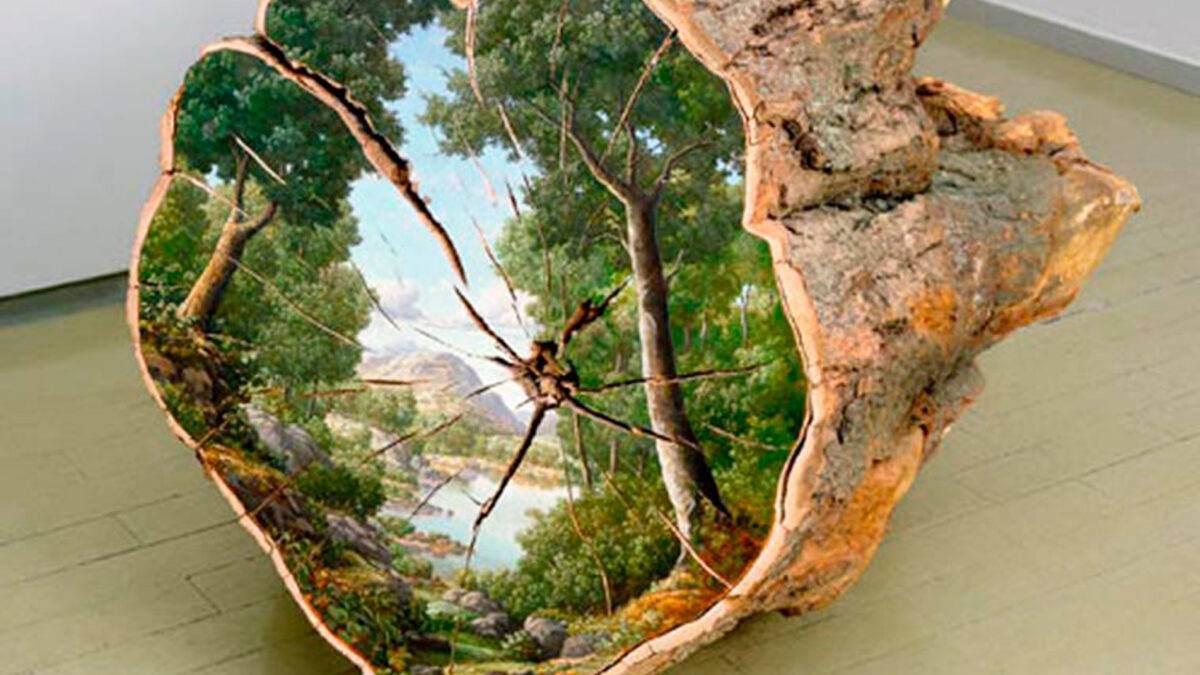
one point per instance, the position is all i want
(443, 379)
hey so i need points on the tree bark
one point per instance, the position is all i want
(208, 291)
(584, 463)
(911, 226)
(685, 470)
(206, 294)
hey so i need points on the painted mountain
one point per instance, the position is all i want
(442, 380)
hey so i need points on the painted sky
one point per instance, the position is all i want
(403, 261)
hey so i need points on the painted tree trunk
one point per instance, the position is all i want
(912, 226)
(685, 471)
(206, 294)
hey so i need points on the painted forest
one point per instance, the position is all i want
(487, 317)
(515, 407)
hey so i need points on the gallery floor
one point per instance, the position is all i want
(1057, 532)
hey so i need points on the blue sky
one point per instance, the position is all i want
(398, 255)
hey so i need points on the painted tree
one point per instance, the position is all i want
(271, 328)
(244, 123)
(620, 123)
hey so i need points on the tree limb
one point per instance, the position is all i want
(670, 163)
(647, 70)
(614, 185)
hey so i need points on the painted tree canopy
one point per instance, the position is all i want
(605, 451)
(243, 122)
(636, 145)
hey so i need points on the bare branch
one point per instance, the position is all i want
(208, 189)
(558, 36)
(333, 393)
(455, 348)
(375, 382)
(566, 120)
(511, 131)
(739, 440)
(614, 185)
(433, 493)
(472, 15)
(586, 314)
(486, 388)
(261, 220)
(374, 298)
(647, 70)
(683, 540)
(578, 527)
(421, 433)
(631, 155)
(671, 162)
(378, 150)
(259, 160)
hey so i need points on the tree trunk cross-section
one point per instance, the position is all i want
(912, 226)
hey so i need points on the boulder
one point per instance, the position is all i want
(284, 513)
(361, 538)
(453, 595)
(492, 625)
(579, 646)
(291, 444)
(398, 587)
(548, 634)
(479, 603)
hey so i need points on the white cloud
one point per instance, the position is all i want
(400, 298)
(496, 305)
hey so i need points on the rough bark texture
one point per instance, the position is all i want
(912, 227)
(685, 471)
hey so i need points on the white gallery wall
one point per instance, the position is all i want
(1168, 27)
(1157, 39)
(83, 85)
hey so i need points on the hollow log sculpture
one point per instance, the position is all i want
(911, 225)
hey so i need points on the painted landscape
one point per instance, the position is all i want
(474, 332)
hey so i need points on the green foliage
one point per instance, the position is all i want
(710, 260)
(348, 40)
(344, 489)
(390, 410)
(258, 326)
(365, 612)
(232, 99)
(519, 646)
(557, 572)
(604, 46)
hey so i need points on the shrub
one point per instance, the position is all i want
(519, 646)
(558, 571)
(344, 489)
